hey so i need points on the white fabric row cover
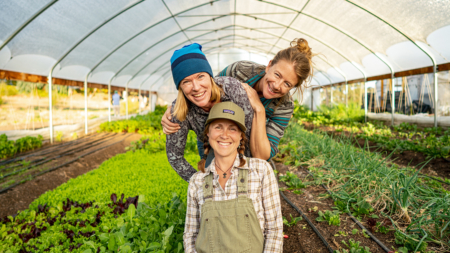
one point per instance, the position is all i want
(133, 40)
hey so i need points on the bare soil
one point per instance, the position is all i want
(435, 167)
(301, 236)
(21, 196)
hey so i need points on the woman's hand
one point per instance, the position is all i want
(168, 126)
(255, 102)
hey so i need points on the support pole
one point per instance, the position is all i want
(139, 100)
(126, 101)
(436, 84)
(109, 92)
(365, 101)
(392, 98)
(85, 106)
(312, 99)
(50, 104)
(109, 101)
(331, 94)
(346, 94)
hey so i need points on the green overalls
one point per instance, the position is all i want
(229, 225)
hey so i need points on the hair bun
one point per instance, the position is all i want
(303, 47)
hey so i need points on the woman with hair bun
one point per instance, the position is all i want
(268, 89)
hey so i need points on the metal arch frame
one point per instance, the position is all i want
(283, 38)
(220, 46)
(373, 52)
(18, 30)
(50, 79)
(285, 30)
(435, 70)
(143, 31)
(125, 42)
(176, 21)
(157, 69)
(331, 83)
(234, 20)
(146, 65)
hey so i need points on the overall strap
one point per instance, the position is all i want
(242, 182)
(207, 187)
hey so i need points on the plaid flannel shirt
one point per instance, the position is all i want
(262, 190)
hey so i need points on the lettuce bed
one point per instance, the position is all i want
(94, 220)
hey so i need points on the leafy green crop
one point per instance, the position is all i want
(293, 221)
(139, 123)
(354, 247)
(10, 148)
(85, 226)
(292, 181)
(363, 183)
(331, 216)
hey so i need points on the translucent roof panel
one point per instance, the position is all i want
(133, 40)
(18, 12)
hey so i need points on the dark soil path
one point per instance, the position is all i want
(20, 197)
(436, 167)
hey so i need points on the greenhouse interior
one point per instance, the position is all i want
(354, 130)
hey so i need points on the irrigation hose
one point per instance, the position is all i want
(59, 166)
(309, 222)
(356, 221)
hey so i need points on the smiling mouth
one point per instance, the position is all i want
(199, 95)
(225, 144)
(270, 90)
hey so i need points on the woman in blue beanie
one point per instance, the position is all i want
(267, 89)
(198, 91)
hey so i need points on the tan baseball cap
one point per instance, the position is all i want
(230, 111)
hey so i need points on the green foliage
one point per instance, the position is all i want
(358, 179)
(292, 181)
(139, 123)
(361, 208)
(354, 247)
(10, 148)
(433, 142)
(158, 229)
(331, 216)
(1, 101)
(156, 225)
(293, 222)
(59, 136)
(8, 90)
(411, 242)
(154, 141)
(329, 115)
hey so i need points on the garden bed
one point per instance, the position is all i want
(435, 167)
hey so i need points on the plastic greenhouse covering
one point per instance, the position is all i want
(129, 43)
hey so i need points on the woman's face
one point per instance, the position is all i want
(278, 80)
(197, 88)
(224, 137)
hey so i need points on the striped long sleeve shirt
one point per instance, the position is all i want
(277, 114)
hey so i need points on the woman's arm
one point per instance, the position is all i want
(273, 232)
(259, 142)
(192, 225)
(175, 144)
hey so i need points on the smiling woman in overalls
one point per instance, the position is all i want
(233, 205)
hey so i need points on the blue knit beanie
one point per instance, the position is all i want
(187, 61)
